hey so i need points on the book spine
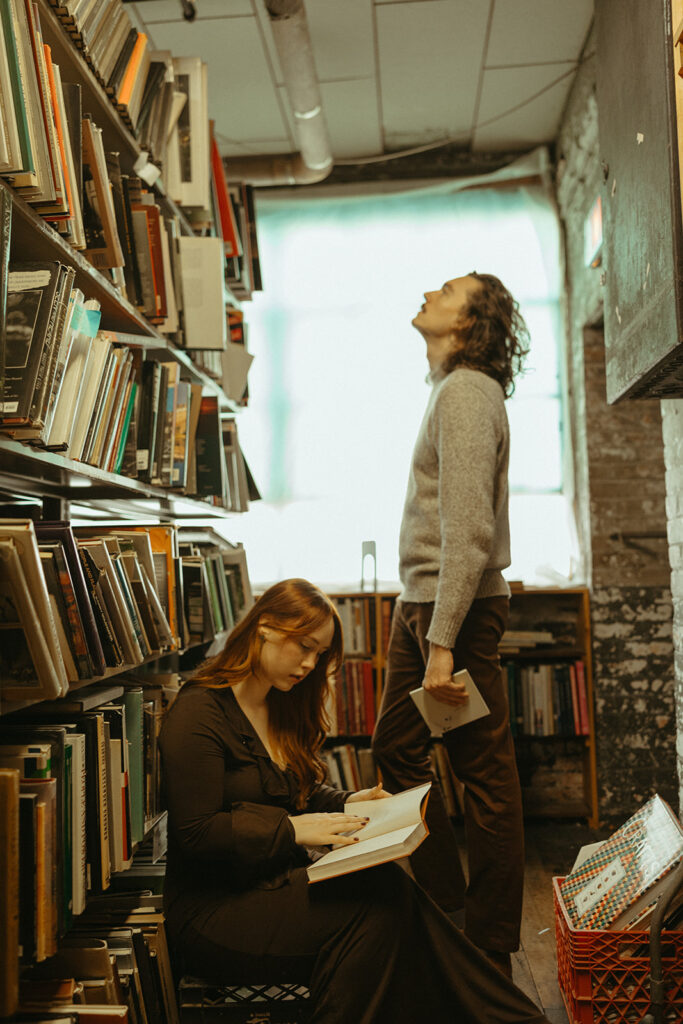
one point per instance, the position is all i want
(9, 891)
(583, 698)
(104, 824)
(79, 860)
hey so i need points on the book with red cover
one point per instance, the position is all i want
(582, 695)
(369, 694)
(228, 223)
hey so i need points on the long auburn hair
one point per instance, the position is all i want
(496, 337)
(297, 720)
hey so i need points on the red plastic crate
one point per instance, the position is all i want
(605, 976)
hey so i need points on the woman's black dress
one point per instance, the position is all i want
(371, 945)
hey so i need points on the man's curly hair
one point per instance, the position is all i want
(496, 338)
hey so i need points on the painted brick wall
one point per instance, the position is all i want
(620, 496)
(672, 421)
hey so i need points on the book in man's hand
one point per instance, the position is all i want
(441, 717)
(395, 829)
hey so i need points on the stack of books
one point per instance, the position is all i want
(617, 885)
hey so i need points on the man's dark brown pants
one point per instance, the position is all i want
(483, 759)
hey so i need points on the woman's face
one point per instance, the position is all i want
(286, 660)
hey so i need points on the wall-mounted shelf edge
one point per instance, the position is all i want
(38, 473)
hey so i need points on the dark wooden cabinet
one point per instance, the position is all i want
(643, 237)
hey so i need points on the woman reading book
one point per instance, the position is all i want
(247, 808)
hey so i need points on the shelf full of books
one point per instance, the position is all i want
(546, 656)
(123, 360)
(546, 660)
(82, 148)
(117, 410)
(82, 603)
(99, 626)
(357, 688)
(79, 782)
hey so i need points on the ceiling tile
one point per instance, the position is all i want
(267, 40)
(343, 38)
(352, 117)
(257, 147)
(170, 10)
(242, 98)
(535, 122)
(430, 58)
(526, 31)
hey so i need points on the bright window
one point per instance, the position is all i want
(337, 388)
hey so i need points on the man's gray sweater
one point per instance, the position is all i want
(455, 534)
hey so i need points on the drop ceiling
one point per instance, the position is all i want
(488, 75)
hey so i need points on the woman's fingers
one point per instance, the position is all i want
(327, 829)
(341, 840)
(351, 824)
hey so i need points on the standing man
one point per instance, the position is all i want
(453, 607)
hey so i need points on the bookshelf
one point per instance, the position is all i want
(556, 756)
(548, 634)
(88, 822)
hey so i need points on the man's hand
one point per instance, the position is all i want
(438, 679)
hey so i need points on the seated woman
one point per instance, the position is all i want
(247, 800)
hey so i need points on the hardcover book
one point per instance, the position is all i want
(26, 669)
(31, 296)
(395, 829)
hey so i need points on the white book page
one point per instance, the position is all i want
(393, 812)
(377, 842)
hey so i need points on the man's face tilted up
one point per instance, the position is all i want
(440, 317)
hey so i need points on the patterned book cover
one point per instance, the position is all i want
(624, 868)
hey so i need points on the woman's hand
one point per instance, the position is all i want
(376, 793)
(326, 829)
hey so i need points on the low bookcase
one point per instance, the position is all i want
(546, 660)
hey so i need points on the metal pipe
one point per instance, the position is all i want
(314, 161)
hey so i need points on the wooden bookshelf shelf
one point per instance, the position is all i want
(542, 654)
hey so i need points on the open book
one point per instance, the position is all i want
(441, 717)
(396, 828)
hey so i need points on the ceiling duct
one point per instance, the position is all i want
(314, 161)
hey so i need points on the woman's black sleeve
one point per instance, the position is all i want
(195, 744)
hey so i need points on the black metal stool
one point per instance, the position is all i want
(202, 1002)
